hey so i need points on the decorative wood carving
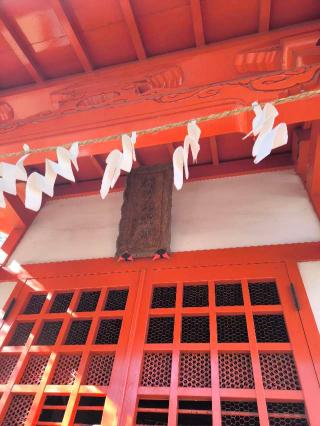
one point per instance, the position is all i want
(229, 94)
(145, 224)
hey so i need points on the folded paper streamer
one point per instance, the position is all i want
(181, 154)
(268, 138)
(117, 161)
(38, 184)
(10, 173)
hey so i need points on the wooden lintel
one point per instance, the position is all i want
(133, 28)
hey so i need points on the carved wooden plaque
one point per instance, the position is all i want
(145, 224)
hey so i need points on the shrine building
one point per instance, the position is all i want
(160, 212)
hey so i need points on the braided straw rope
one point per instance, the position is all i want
(157, 129)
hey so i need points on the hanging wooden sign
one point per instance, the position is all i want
(145, 225)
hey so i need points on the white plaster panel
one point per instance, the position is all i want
(70, 229)
(6, 289)
(251, 210)
(310, 273)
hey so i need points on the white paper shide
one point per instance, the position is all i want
(117, 161)
(181, 154)
(268, 137)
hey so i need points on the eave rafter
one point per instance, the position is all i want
(197, 172)
(96, 164)
(264, 15)
(197, 22)
(21, 51)
(71, 34)
(214, 151)
(133, 28)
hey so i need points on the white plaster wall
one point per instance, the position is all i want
(310, 273)
(74, 228)
(6, 289)
(252, 210)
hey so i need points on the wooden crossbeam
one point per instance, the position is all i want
(72, 34)
(197, 22)
(264, 15)
(133, 28)
(22, 53)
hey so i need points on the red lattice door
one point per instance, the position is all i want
(64, 350)
(220, 346)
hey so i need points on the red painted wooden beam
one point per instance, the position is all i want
(72, 34)
(197, 22)
(214, 151)
(24, 216)
(313, 168)
(133, 28)
(96, 164)
(264, 15)
(20, 51)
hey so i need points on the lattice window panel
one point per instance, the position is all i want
(229, 294)
(55, 416)
(116, 300)
(21, 334)
(99, 369)
(88, 301)
(156, 369)
(276, 421)
(7, 365)
(195, 404)
(160, 330)
(235, 371)
(49, 333)
(35, 304)
(61, 303)
(195, 295)
(279, 371)
(286, 407)
(53, 409)
(195, 329)
(232, 328)
(194, 419)
(264, 293)
(195, 370)
(164, 297)
(34, 370)
(109, 331)
(240, 421)
(270, 328)
(88, 417)
(240, 406)
(155, 419)
(66, 369)
(78, 332)
(18, 410)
